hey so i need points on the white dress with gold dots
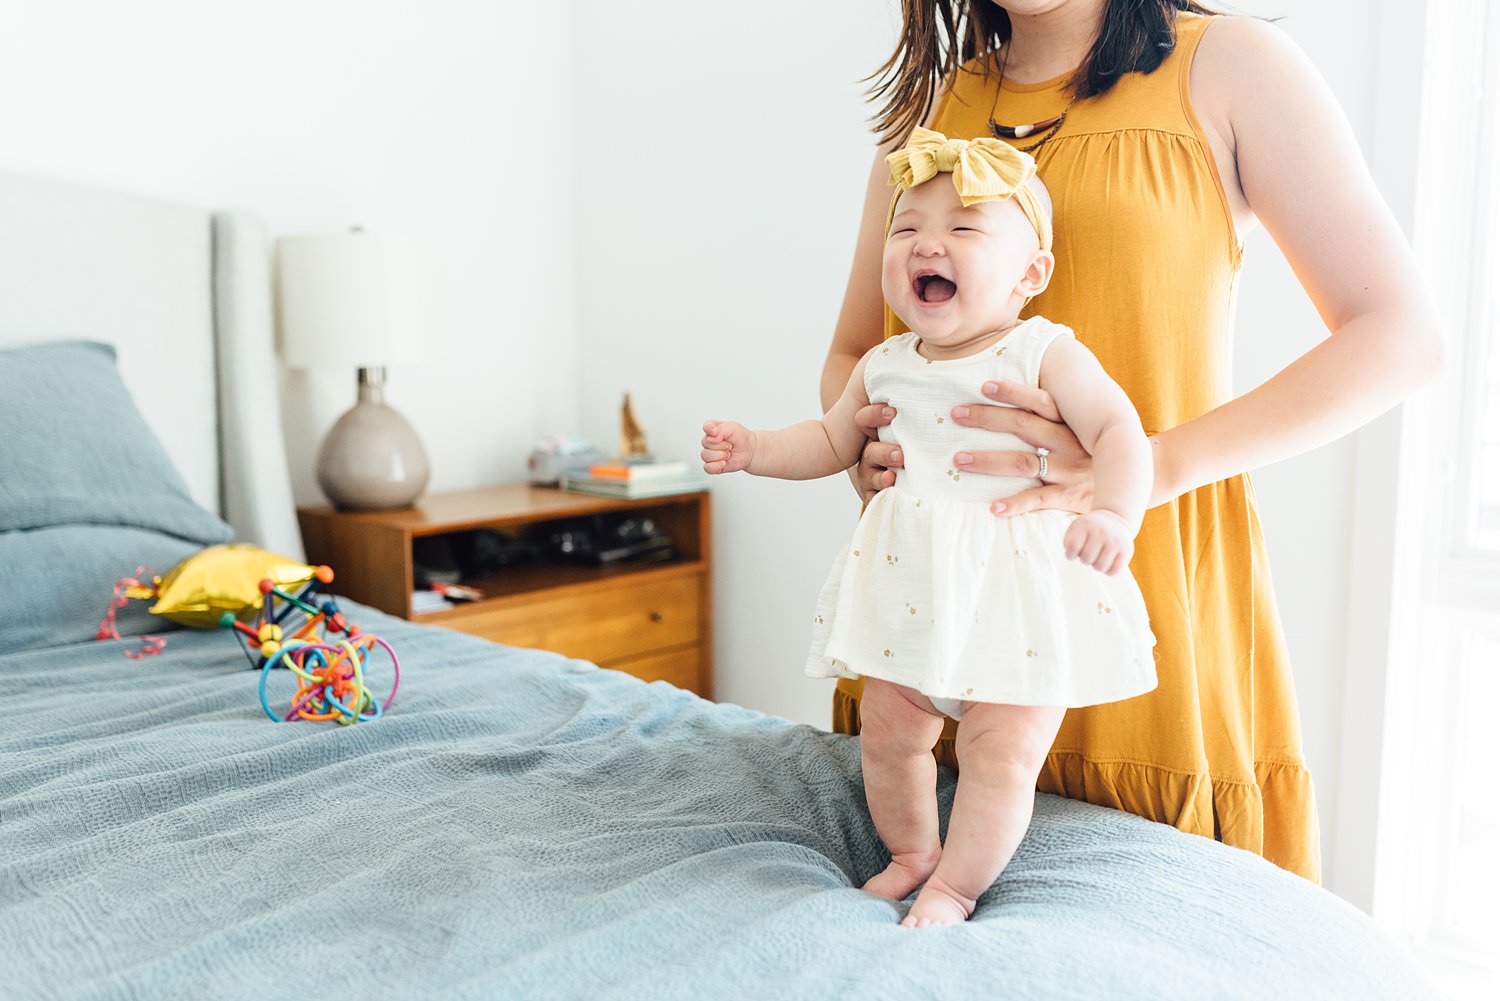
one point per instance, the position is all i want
(936, 593)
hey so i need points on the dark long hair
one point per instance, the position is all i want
(939, 36)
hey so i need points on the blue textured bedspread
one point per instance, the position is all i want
(524, 826)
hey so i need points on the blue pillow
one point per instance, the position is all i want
(55, 583)
(87, 495)
(74, 450)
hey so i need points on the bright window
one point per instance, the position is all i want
(1438, 870)
(1483, 501)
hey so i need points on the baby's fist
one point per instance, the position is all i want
(1101, 539)
(727, 446)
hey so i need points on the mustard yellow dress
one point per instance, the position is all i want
(1147, 263)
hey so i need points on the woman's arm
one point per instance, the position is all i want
(1302, 174)
(861, 322)
(1299, 171)
(861, 326)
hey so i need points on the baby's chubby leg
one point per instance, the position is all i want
(1000, 751)
(897, 730)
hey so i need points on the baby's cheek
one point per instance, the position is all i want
(892, 272)
(889, 287)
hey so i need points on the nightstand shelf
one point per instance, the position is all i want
(649, 619)
(534, 579)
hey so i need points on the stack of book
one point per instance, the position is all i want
(632, 480)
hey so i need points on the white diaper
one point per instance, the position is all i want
(952, 708)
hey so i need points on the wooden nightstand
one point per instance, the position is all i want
(652, 620)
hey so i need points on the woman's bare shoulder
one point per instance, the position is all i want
(1245, 71)
(1239, 59)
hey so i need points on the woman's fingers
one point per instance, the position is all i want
(1019, 394)
(879, 460)
(1022, 464)
(1032, 416)
(875, 465)
(874, 416)
(1052, 496)
(1031, 428)
(1069, 465)
(883, 454)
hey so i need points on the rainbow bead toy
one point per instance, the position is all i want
(306, 633)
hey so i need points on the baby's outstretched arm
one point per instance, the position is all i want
(803, 451)
(1105, 421)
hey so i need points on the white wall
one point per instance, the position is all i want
(319, 114)
(726, 309)
(713, 275)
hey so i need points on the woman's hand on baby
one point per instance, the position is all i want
(880, 459)
(1032, 416)
(1100, 539)
(727, 446)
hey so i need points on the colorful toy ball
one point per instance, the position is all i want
(314, 641)
(332, 680)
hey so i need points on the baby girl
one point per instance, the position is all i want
(943, 608)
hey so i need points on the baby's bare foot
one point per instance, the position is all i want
(905, 873)
(938, 904)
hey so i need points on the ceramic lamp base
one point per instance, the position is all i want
(372, 459)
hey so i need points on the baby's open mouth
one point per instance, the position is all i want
(934, 288)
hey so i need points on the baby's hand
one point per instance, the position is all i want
(727, 446)
(1100, 539)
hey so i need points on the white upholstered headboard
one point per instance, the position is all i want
(184, 295)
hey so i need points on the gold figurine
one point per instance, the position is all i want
(632, 437)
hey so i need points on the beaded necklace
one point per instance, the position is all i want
(1051, 125)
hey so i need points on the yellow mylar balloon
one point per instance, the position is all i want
(219, 579)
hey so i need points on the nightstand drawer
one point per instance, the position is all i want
(683, 667)
(609, 624)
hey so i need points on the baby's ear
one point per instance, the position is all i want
(1038, 274)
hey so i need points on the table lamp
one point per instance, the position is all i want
(347, 300)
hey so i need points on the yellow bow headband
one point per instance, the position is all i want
(984, 170)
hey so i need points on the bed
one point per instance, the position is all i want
(519, 825)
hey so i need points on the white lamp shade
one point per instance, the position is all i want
(346, 300)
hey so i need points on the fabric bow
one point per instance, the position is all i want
(983, 170)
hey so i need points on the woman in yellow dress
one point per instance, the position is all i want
(1166, 134)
